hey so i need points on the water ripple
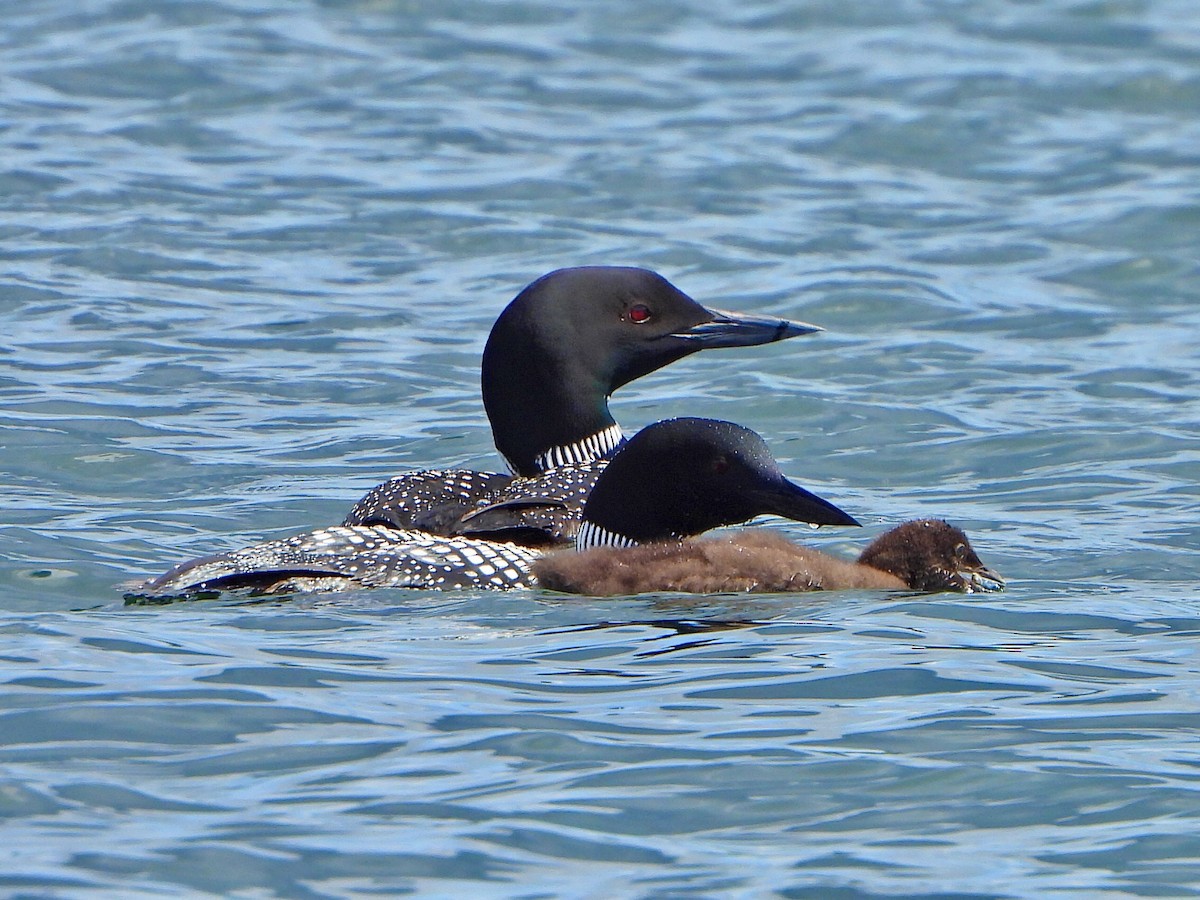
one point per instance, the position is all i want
(252, 251)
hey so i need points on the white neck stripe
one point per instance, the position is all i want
(589, 449)
(590, 535)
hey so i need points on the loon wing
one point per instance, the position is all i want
(538, 511)
(347, 558)
(432, 500)
(517, 504)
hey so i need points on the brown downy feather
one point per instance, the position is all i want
(922, 555)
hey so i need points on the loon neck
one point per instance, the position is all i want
(538, 427)
(590, 449)
(541, 427)
(592, 535)
(545, 408)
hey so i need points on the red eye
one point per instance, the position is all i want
(639, 313)
(720, 465)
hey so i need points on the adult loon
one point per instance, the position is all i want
(673, 479)
(922, 555)
(555, 354)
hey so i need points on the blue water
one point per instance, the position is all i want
(250, 254)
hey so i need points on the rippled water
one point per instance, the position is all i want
(251, 251)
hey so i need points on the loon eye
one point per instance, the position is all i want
(720, 465)
(639, 313)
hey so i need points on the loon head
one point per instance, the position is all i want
(681, 477)
(931, 555)
(574, 336)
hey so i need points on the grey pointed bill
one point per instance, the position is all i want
(732, 329)
(793, 502)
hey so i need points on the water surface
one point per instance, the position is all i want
(251, 251)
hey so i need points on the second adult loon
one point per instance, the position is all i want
(672, 479)
(555, 354)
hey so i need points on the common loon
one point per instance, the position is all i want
(555, 354)
(922, 555)
(673, 479)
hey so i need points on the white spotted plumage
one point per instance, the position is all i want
(350, 556)
(345, 557)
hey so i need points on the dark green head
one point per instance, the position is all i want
(574, 336)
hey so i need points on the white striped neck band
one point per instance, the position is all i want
(591, 448)
(590, 536)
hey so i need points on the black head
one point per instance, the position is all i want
(576, 335)
(931, 555)
(682, 477)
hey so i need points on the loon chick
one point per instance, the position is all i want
(555, 354)
(922, 555)
(672, 479)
